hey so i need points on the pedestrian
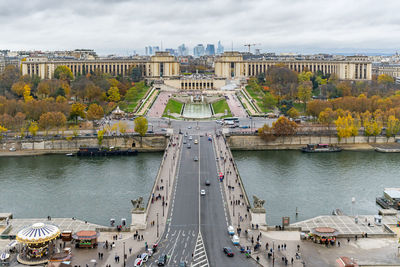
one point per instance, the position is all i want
(356, 237)
(338, 243)
(292, 261)
(284, 246)
(366, 235)
(298, 247)
(130, 250)
(279, 247)
(142, 238)
(266, 246)
(348, 240)
(258, 259)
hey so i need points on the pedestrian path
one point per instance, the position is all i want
(200, 255)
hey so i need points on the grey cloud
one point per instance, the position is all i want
(126, 25)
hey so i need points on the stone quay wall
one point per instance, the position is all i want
(61, 145)
(254, 142)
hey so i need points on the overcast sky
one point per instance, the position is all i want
(119, 26)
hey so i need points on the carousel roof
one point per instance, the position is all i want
(38, 233)
(324, 231)
(85, 235)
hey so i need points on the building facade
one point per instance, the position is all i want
(162, 64)
(392, 70)
(232, 65)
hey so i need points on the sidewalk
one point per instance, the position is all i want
(134, 246)
(240, 217)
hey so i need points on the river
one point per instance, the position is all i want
(317, 183)
(92, 189)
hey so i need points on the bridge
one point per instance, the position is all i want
(194, 228)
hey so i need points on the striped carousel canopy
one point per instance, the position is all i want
(38, 233)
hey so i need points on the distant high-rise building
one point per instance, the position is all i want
(171, 51)
(183, 50)
(155, 49)
(210, 50)
(198, 50)
(220, 48)
(149, 50)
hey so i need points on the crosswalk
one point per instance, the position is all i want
(200, 255)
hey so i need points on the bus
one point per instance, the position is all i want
(234, 119)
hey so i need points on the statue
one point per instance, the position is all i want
(137, 204)
(258, 204)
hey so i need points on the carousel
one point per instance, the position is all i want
(323, 235)
(38, 243)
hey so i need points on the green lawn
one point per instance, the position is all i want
(173, 106)
(133, 96)
(299, 107)
(220, 107)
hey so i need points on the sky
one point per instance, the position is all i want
(124, 26)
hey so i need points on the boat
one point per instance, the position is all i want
(320, 148)
(390, 199)
(95, 151)
(69, 155)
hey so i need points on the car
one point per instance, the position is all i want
(228, 251)
(162, 260)
(244, 126)
(12, 149)
(185, 134)
(189, 127)
(150, 131)
(196, 142)
(163, 129)
(184, 142)
(208, 182)
(202, 192)
(144, 257)
(195, 158)
(189, 146)
(190, 138)
(138, 262)
(182, 264)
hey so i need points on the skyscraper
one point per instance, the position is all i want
(210, 50)
(183, 50)
(198, 50)
(220, 48)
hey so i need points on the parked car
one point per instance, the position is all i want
(202, 192)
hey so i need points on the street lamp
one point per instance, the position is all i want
(233, 205)
(238, 219)
(163, 203)
(169, 117)
(124, 256)
(157, 226)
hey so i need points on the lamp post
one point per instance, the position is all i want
(124, 256)
(163, 204)
(238, 219)
(157, 225)
(233, 205)
(273, 253)
(169, 117)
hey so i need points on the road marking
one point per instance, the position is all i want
(200, 254)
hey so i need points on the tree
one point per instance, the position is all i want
(2, 130)
(371, 127)
(94, 112)
(393, 126)
(27, 93)
(45, 121)
(304, 76)
(344, 88)
(284, 127)
(385, 79)
(63, 73)
(266, 132)
(58, 120)
(136, 74)
(113, 94)
(141, 125)
(77, 110)
(293, 113)
(8, 77)
(33, 128)
(269, 101)
(346, 126)
(18, 88)
(100, 136)
(304, 92)
(123, 126)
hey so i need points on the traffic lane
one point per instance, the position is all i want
(214, 218)
(179, 239)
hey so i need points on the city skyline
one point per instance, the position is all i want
(121, 27)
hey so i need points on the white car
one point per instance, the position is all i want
(138, 262)
(202, 192)
(12, 149)
(190, 138)
(196, 142)
(145, 257)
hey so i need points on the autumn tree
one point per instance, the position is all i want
(304, 92)
(63, 73)
(293, 113)
(385, 79)
(77, 110)
(2, 130)
(27, 93)
(284, 127)
(141, 125)
(100, 136)
(18, 88)
(45, 121)
(33, 128)
(346, 126)
(113, 94)
(123, 127)
(94, 112)
(267, 133)
(393, 126)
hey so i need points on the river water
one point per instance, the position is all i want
(97, 189)
(93, 189)
(317, 183)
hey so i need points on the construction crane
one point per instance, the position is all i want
(250, 45)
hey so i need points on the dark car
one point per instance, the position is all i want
(228, 251)
(162, 260)
(182, 264)
(208, 182)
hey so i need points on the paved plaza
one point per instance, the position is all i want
(158, 107)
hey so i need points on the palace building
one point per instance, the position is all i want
(232, 65)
